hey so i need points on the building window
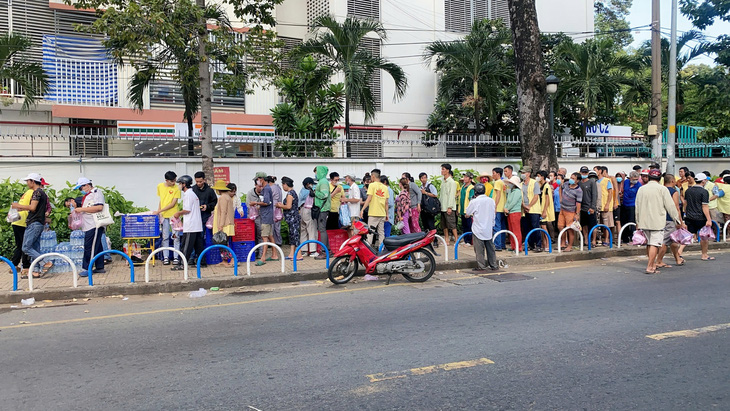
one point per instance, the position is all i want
(88, 138)
(364, 9)
(290, 43)
(365, 144)
(460, 14)
(315, 9)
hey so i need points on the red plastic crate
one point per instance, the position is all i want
(245, 230)
(336, 238)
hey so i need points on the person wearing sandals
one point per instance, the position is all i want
(266, 211)
(93, 202)
(193, 235)
(18, 232)
(35, 222)
(291, 215)
(653, 204)
(223, 215)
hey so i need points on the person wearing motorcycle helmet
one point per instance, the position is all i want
(482, 210)
(192, 221)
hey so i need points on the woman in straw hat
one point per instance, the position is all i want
(223, 214)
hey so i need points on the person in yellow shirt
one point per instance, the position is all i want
(377, 202)
(548, 209)
(169, 194)
(605, 209)
(499, 196)
(18, 232)
(333, 219)
(531, 208)
(723, 200)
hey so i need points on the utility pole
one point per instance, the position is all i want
(656, 83)
(672, 98)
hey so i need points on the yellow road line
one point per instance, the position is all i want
(384, 376)
(201, 307)
(689, 333)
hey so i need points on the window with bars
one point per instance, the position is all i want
(317, 8)
(460, 14)
(88, 137)
(364, 9)
(365, 144)
(373, 45)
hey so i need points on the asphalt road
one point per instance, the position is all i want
(573, 337)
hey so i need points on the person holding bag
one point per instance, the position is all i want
(223, 224)
(18, 233)
(92, 203)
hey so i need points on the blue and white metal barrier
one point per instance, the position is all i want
(225, 247)
(456, 246)
(250, 253)
(157, 250)
(517, 249)
(74, 272)
(550, 244)
(621, 232)
(717, 237)
(296, 253)
(14, 270)
(610, 236)
(101, 254)
(560, 236)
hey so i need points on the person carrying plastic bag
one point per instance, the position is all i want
(697, 213)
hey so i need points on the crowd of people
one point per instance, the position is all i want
(657, 203)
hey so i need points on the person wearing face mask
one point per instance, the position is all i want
(618, 194)
(93, 202)
(531, 207)
(556, 199)
(589, 202)
(571, 197)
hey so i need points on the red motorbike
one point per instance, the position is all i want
(410, 255)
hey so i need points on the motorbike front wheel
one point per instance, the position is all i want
(423, 267)
(342, 270)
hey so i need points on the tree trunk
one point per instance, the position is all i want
(476, 111)
(206, 139)
(347, 118)
(191, 134)
(538, 147)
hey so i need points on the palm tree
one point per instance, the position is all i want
(14, 67)
(592, 76)
(477, 63)
(340, 46)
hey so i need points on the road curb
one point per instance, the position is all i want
(309, 275)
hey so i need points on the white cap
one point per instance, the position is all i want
(700, 177)
(34, 177)
(82, 182)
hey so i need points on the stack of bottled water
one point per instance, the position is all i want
(77, 248)
(60, 265)
(48, 242)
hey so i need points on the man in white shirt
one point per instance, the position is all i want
(483, 211)
(192, 222)
(353, 200)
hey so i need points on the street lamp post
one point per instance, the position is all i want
(552, 87)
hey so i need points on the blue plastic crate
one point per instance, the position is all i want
(140, 226)
(242, 248)
(213, 256)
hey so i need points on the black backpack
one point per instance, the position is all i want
(431, 205)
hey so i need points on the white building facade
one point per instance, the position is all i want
(89, 92)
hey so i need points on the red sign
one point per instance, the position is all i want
(222, 173)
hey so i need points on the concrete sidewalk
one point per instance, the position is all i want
(162, 279)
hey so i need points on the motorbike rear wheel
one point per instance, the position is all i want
(342, 270)
(429, 266)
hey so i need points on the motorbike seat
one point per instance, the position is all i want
(393, 243)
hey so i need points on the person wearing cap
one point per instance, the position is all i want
(291, 216)
(653, 204)
(416, 197)
(465, 195)
(571, 196)
(589, 204)
(670, 227)
(513, 210)
(193, 237)
(697, 211)
(447, 198)
(223, 216)
(353, 199)
(93, 202)
(531, 207)
(307, 225)
(253, 202)
(482, 210)
(18, 233)
(644, 176)
(169, 195)
(33, 212)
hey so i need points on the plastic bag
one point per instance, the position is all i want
(706, 233)
(575, 226)
(681, 236)
(176, 224)
(74, 221)
(639, 238)
(220, 238)
(209, 223)
(13, 216)
(253, 212)
(345, 219)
